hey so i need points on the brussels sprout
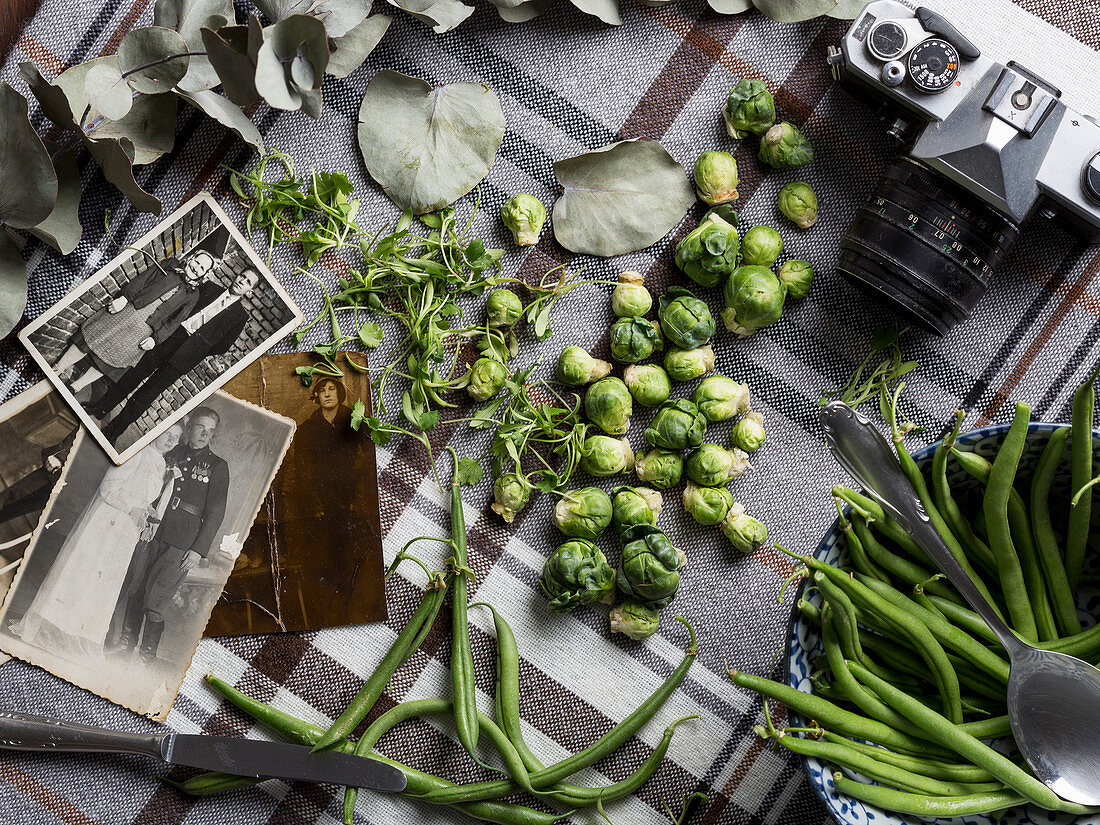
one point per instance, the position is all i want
(720, 398)
(649, 568)
(784, 146)
(648, 383)
(748, 433)
(503, 308)
(707, 505)
(708, 253)
(677, 425)
(761, 246)
(577, 573)
(685, 320)
(524, 214)
(577, 368)
(689, 364)
(511, 492)
(486, 378)
(716, 177)
(799, 203)
(634, 620)
(754, 299)
(603, 455)
(749, 108)
(634, 505)
(659, 467)
(712, 465)
(630, 297)
(634, 339)
(796, 276)
(608, 405)
(724, 211)
(744, 532)
(584, 513)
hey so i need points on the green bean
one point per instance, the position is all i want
(872, 513)
(995, 507)
(809, 610)
(966, 745)
(870, 767)
(206, 784)
(1080, 515)
(829, 715)
(945, 501)
(963, 618)
(901, 568)
(605, 745)
(924, 806)
(934, 768)
(856, 551)
(1019, 522)
(1054, 571)
(1085, 645)
(843, 615)
(947, 683)
(947, 634)
(419, 783)
(996, 727)
(406, 643)
(462, 658)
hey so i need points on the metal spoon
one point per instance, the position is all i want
(1053, 699)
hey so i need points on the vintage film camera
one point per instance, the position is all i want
(989, 147)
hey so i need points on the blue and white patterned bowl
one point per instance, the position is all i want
(805, 645)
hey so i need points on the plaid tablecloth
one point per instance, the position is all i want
(567, 84)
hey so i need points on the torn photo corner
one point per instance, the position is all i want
(113, 595)
(146, 339)
(313, 559)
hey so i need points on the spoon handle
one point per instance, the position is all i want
(867, 457)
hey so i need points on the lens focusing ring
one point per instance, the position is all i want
(925, 246)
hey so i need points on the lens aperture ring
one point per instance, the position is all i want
(934, 188)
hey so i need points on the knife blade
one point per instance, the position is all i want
(241, 757)
(277, 760)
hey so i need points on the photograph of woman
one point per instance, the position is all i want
(96, 554)
(151, 307)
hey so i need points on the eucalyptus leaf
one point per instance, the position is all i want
(228, 52)
(606, 10)
(28, 183)
(847, 9)
(150, 45)
(444, 15)
(340, 16)
(61, 229)
(107, 91)
(413, 6)
(730, 6)
(13, 284)
(523, 12)
(52, 99)
(619, 198)
(426, 146)
(508, 4)
(794, 11)
(276, 10)
(115, 157)
(297, 39)
(228, 114)
(187, 17)
(150, 127)
(311, 103)
(352, 49)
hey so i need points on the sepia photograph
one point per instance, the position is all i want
(153, 333)
(314, 556)
(120, 576)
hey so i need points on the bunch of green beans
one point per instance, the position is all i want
(912, 681)
(524, 771)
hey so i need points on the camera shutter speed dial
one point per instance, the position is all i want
(933, 65)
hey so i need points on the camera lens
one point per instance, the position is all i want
(925, 246)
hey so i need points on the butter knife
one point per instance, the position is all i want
(241, 757)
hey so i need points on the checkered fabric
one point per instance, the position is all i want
(567, 84)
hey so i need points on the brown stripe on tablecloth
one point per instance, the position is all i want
(1080, 20)
(124, 26)
(1069, 298)
(725, 795)
(34, 790)
(41, 55)
(774, 560)
(303, 802)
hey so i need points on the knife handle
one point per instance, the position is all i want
(23, 732)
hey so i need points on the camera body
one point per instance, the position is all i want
(989, 146)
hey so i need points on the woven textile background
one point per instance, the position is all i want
(567, 84)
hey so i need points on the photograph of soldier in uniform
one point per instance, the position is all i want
(314, 557)
(163, 325)
(119, 578)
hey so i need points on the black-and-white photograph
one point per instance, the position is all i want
(162, 326)
(127, 561)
